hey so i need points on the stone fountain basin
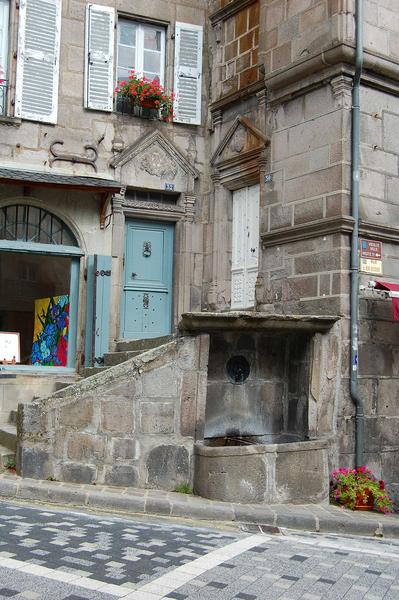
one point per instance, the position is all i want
(294, 472)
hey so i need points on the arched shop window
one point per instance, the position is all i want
(26, 223)
(39, 279)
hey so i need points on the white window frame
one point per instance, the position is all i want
(141, 25)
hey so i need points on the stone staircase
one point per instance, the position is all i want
(125, 349)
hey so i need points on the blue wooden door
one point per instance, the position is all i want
(147, 290)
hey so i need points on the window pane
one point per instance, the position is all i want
(127, 33)
(126, 57)
(122, 74)
(152, 39)
(10, 218)
(152, 62)
(151, 76)
(45, 229)
(33, 225)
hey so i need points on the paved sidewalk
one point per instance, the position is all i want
(310, 517)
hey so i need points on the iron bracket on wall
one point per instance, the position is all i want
(74, 158)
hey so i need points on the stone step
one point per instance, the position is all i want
(142, 345)
(89, 371)
(7, 457)
(8, 436)
(116, 358)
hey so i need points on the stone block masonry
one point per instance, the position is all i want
(132, 425)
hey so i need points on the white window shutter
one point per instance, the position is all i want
(36, 94)
(99, 72)
(188, 73)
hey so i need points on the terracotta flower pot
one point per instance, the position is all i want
(362, 504)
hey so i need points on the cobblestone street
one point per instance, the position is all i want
(48, 554)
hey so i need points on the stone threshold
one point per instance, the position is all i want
(320, 518)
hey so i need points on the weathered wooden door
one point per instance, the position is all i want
(245, 252)
(99, 279)
(147, 291)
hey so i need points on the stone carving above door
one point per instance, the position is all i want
(156, 162)
(153, 162)
(236, 160)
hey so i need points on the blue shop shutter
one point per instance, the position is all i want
(97, 309)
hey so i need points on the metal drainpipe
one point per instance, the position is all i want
(354, 302)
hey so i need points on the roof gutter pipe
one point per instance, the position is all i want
(354, 296)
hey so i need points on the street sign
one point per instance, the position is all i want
(371, 256)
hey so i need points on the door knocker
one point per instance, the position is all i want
(147, 249)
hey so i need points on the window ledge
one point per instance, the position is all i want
(13, 121)
(34, 370)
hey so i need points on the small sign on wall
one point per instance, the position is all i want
(9, 347)
(371, 257)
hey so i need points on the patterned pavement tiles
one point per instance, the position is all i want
(109, 549)
(302, 566)
(62, 555)
(24, 586)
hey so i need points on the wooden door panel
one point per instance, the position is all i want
(245, 247)
(147, 293)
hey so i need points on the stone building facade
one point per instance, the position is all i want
(257, 192)
(97, 168)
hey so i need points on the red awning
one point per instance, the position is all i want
(391, 287)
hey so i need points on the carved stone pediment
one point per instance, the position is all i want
(237, 155)
(153, 162)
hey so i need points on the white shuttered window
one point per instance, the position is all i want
(188, 73)
(38, 60)
(4, 26)
(99, 73)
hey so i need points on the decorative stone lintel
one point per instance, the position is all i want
(189, 207)
(342, 90)
(118, 200)
(215, 177)
(244, 320)
(263, 160)
(262, 99)
(217, 28)
(217, 118)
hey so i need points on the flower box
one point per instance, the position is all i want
(146, 94)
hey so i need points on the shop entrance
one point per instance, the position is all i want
(39, 278)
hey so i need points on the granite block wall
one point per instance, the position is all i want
(132, 425)
(272, 403)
